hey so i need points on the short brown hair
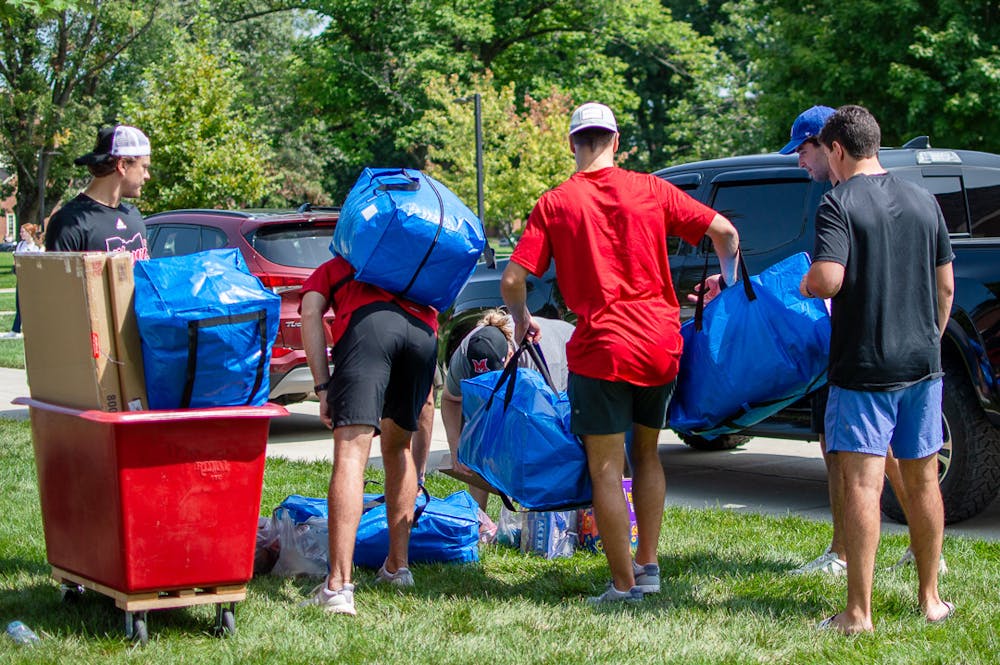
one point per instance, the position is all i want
(594, 138)
(855, 128)
(108, 166)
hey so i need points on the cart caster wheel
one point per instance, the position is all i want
(70, 593)
(225, 622)
(135, 628)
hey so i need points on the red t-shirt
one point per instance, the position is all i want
(352, 295)
(607, 232)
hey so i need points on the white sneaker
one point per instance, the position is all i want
(828, 562)
(613, 595)
(402, 577)
(338, 602)
(908, 559)
(647, 577)
(11, 335)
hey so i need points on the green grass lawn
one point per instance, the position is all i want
(7, 278)
(11, 350)
(725, 599)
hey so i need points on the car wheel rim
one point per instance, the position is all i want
(944, 455)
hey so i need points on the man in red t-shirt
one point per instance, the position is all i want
(606, 228)
(384, 353)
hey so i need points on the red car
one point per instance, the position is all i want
(281, 247)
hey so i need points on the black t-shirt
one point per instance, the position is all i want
(890, 236)
(84, 225)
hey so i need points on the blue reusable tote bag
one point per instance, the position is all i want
(207, 328)
(756, 348)
(517, 437)
(407, 233)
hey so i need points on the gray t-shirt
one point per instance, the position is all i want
(555, 335)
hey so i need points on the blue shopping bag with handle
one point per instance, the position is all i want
(754, 349)
(517, 437)
(207, 327)
(409, 234)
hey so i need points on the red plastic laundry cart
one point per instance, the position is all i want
(156, 509)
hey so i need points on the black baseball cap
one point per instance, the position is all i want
(487, 349)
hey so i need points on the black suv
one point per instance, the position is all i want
(773, 203)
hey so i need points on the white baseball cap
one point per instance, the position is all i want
(592, 116)
(117, 141)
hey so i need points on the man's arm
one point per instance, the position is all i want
(314, 306)
(726, 243)
(513, 288)
(823, 280)
(945, 294)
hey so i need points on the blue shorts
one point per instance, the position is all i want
(869, 422)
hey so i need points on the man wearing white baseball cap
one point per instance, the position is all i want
(97, 220)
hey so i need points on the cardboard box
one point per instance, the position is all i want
(128, 347)
(69, 329)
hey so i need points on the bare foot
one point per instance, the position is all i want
(845, 626)
(939, 612)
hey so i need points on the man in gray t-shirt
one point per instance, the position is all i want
(485, 349)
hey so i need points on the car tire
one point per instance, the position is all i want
(724, 442)
(969, 461)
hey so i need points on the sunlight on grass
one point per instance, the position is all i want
(725, 599)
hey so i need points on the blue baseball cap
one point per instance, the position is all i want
(807, 126)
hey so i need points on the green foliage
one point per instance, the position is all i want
(525, 152)
(207, 151)
(920, 67)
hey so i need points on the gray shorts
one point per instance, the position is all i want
(610, 407)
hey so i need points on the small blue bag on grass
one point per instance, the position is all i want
(207, 328)
(517, 437)
(406, 232)
(757, 347)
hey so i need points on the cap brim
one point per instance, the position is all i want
(613, 130)
(791, 146)
(91, 158)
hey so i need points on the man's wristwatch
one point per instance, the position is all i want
(321, 386)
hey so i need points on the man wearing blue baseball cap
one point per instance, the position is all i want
(804, 141)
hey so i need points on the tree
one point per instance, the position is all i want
(53, 57)
(207, 151)
(526, 150)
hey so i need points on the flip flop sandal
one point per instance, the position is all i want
(827, 623)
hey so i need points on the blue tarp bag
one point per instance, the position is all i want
(444, 530)
(407, 233)
(754, 349)
(517, 437)
(207, 328)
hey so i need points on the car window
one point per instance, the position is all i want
(767, 214)
(175, 241)
(212, 238)
(947, 189)
(983, 190)
(297, 246)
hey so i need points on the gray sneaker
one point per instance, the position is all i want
(647, 577)
(613, 595)
(338, 602)
(828, 562)
(402, 577)
(908, 559)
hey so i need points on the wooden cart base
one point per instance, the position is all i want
(136, 605)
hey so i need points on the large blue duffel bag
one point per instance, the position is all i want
(407, 233)
(517, 437)
(207, 327)
(754, 349)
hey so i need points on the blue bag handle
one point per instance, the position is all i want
(260, 316)
(417, 512)
(699, 308)
(409, 184)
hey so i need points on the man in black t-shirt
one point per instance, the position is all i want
(883, 256)
(97, 220)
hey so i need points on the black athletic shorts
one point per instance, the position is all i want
(610, 407)
(383, 368)
(818, 410)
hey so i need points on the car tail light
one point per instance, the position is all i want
(280, 284)
(279, 351)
